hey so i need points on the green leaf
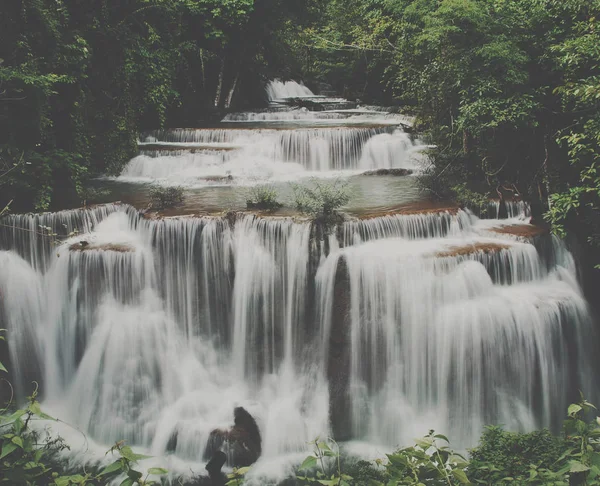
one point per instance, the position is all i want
(158, 471)
(7, 449)
(3, 368)
(128, 454)
(18, 414)
(309, 463)
(127, 482)
(112, 468)
(133, 474)
(574, 408)
(35, 408)
(424, 443)
(576, 467)
(460, 475)
(18, 441)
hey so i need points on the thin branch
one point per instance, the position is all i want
(341, 46)
(14, 166)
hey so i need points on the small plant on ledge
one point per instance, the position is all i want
(322, 201)
(263, 198)
(165, 197)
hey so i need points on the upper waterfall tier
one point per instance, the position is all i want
(281, 90)
(260, 155)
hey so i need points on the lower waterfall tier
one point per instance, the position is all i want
(153, 331)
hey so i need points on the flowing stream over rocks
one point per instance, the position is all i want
(153, 330)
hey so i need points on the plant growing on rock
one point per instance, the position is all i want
(263, 197)
(166, 197)
(321, 200)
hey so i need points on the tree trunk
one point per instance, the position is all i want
(232, 91)
(219, 91)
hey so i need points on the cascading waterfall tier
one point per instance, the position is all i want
(259, 154)
(281, 90)
(153, 330)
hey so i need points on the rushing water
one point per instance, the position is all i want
(152, 331)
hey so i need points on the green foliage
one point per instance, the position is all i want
(263, 197)
(535, 459)
(236, 477)
(166, 197)
(508, 92)
(79, 81)
(323, 466)
(471, 199)
(502, 454)
(427, 462)
(321, 200)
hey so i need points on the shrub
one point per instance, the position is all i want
(321, 200)
(93, 194)
(503, 454)
(166, 197)
(263, 197)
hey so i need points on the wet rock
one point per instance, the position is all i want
(384, 172)
(85, 245)
(241, 444)
(338, 363)
(214, 466)
(521, 230)
(483, 247)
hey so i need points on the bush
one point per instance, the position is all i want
(263, 197)
(89, 195)
(166, 197)
(503, 454)
(323, 200)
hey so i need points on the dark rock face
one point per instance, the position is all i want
(214, 469)
(392, 172)
(338, 365)
(242, 443)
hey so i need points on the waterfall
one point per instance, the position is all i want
(403, 319)
(438, 339)
(384, 151)
(263, 154)
(153, 330)
(280, 90)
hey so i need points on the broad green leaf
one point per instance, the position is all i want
(133, 474)
(14, 416)
(112, 468)
(7, 449)
(424, 443)
(35, 408)
(460, 475)
(576, 466)
(128, 454)
(574, 408)
(309, 463)
(158, 471)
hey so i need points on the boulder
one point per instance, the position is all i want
(241, 443)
